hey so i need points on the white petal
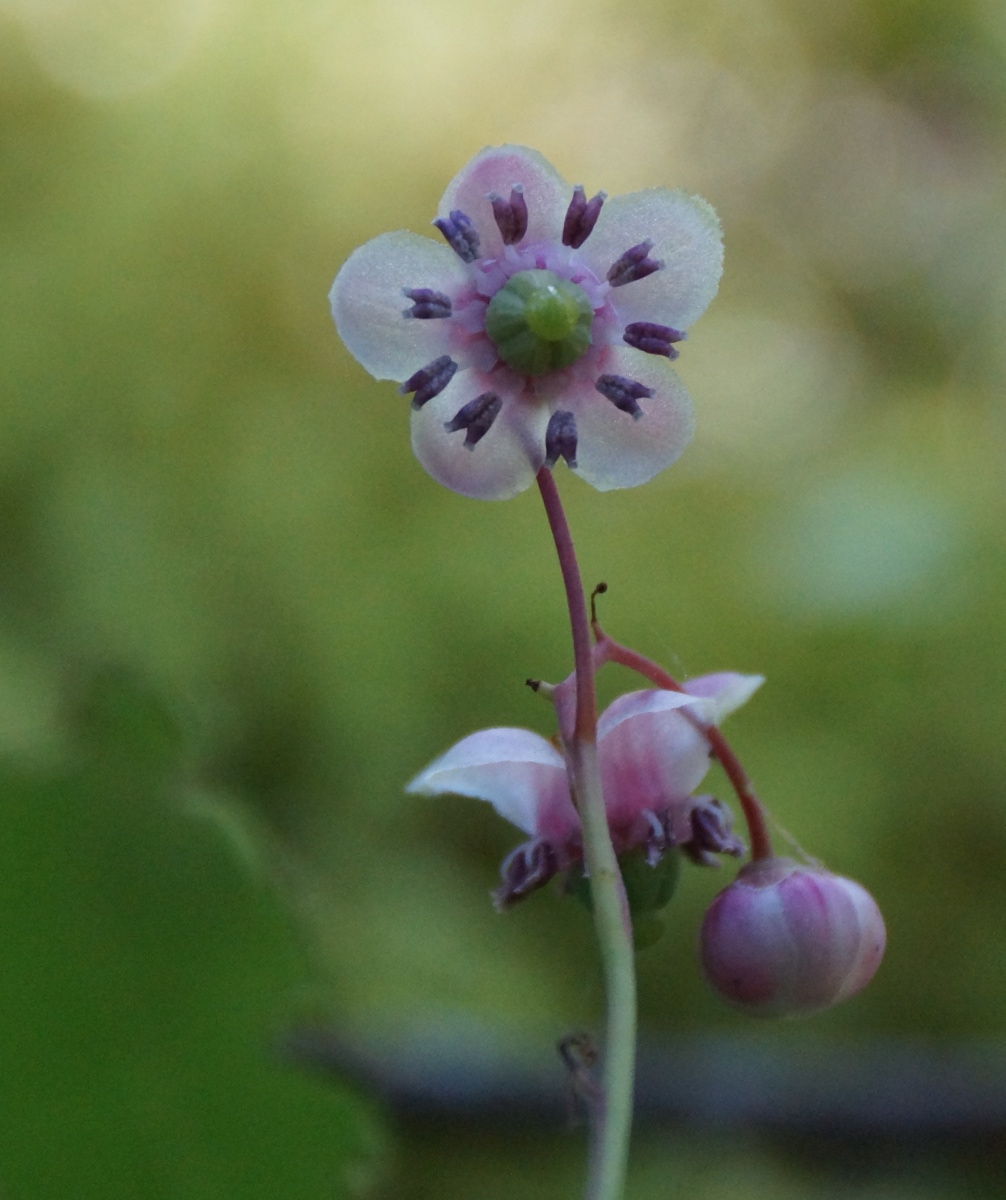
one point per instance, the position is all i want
(615, 449)
(507, 458)
(650, 753)
(725, 691)
(367, 303)
(635, 704)
(497, 169)
(521, 775)
(686, 236)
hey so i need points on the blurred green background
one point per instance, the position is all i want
(236, 617)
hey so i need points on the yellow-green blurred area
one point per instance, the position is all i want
(236, 616)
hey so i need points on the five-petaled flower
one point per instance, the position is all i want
(652, 757)
(543, 329)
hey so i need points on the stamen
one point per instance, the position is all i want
(430, 381)
(476, 418)
(654, 339)
(511, 215)
(624, 393)
(634, 264)
(530, 866)
(581, 217)
(711, 832)
(460, 234)
(560, 439)
(660, 839)
(427, 303)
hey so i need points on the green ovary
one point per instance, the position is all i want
(539, 322)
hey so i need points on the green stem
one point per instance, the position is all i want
(612, 1124)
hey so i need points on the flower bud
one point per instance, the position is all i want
(785, 939)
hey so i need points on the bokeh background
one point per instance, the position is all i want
(236, 617)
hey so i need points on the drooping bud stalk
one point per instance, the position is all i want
(785, 939)
(539, 322)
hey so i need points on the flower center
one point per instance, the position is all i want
(539, 322)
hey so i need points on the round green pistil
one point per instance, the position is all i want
(539, 322)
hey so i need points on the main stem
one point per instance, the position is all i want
(613, 1121)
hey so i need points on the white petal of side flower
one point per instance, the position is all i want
(518, 772)
(651, 758)
(645, 702)
(686, 237)
(725, 692)
(497, 169)
(650, 754)
(368, 302)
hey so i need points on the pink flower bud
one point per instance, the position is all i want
(785, 939)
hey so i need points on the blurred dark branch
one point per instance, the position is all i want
(886, 1089)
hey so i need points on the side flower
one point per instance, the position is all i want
(652, 757)
(541, 329)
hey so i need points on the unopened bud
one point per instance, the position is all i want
(785, 939)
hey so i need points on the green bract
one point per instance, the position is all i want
(539, 322)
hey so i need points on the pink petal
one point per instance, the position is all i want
(507, 458)
(725, 691)
(650, 753)
(367, 302)
(873, 943)
(642, 703)
(614, 448)
(686, 236)
(520, 774)
(497, 169)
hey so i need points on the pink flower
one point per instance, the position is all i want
(651, 759)
(543, 329)
(785, 939)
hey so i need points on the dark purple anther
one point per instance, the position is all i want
(581, 217)
(654, 339)
(711, 833)
(511, 215)
(460, 234)
(560, 439)
(476, 418)
(524, 870)
(430, 381)
(634, 264)
(426, 303)
(624, 393)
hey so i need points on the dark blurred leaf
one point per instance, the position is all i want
(145, 974)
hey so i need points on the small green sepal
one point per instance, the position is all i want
(648, 890)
